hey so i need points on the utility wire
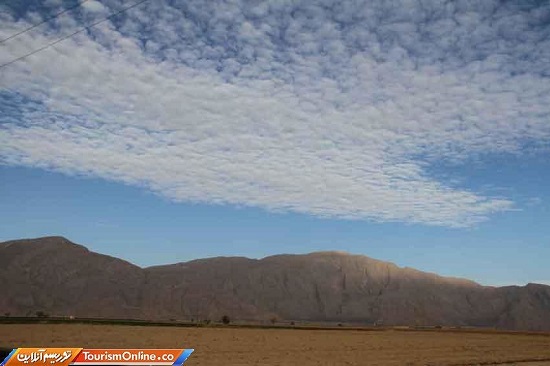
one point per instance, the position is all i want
(44, 21)
(72, 34)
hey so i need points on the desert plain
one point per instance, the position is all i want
(245, 347)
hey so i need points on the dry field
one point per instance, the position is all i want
(237, 346)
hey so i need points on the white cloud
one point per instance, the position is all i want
(534, 201)
(94, 6)
(332, 113)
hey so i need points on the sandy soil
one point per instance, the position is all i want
(234, 346)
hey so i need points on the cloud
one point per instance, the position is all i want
(534, 201)
(334, 110)
(94, 6)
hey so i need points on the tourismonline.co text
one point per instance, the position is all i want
(126, 356)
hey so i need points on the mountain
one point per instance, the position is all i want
(59, 277)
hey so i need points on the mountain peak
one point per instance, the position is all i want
(50, 242)
(331, 253)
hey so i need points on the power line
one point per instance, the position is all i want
(72, 34)
(44, 21)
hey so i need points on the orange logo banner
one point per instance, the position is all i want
(42, 356)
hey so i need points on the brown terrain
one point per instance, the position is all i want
(270, 347)
(60, 278)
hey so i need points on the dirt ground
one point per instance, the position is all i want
(236, 346)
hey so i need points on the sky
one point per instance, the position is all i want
(416, 132)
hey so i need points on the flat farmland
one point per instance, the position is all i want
(244, 346)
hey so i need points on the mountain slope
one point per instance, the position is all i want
(62, 278)
(56, 276)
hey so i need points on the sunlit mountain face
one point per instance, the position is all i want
(43, 274)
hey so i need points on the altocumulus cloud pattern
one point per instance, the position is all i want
(330, 108)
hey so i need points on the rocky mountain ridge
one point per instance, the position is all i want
(59, 277)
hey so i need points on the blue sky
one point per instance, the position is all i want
(414, 132)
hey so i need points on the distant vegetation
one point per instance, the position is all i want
(48, 319)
